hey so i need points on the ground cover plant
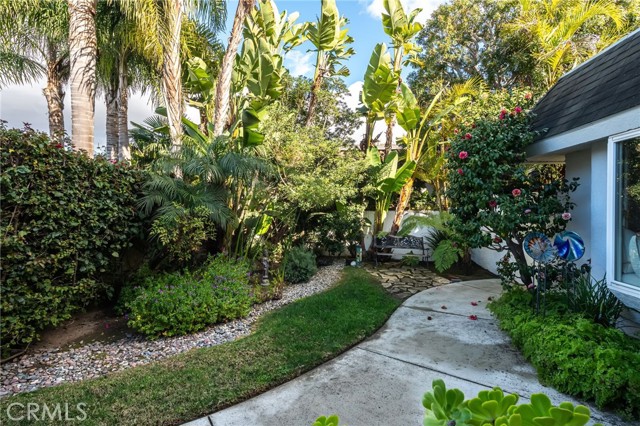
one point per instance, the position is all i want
(573, 353)
(285, 344)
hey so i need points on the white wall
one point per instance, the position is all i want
(578, 164)
(598, 238)
(487, 258)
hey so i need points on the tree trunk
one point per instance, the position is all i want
(82, 78)
(226, 69)
(403, 202)
(172, 70)
(111, 99)
(518, 254)
(389, 142)
(315, 87)
(55, 104)
(123, 111)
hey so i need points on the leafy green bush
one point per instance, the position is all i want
(299, 265)
(340, 229)
(574, 354)
(180, 303)
(65, 219)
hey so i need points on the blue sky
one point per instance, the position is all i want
(26, 103)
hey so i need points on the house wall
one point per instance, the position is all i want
(578, 164)
(598, 237)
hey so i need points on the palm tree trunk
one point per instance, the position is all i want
(123, 111)
(315, 87)
(82, 79)
(54, 95)
(172, 70)
(111, 99)
(224, 79)
(403, 202)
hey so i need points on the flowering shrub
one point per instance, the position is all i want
(174, 303)
(496, 199)
(66, 220)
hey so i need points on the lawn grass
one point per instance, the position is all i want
(286, 343)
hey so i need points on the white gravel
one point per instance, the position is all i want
(49, 368)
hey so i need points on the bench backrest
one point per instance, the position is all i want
(408, 242)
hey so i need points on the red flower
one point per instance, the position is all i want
(503, 113)
(473, 126)
(497, 240)
(516, 192)
(59, 146)
(460, 172)
(517, 110)
(493, 204)
(474, 303)
(456, 131)
(467, 136)
(463, 154)
(528, 95)
(473, 317)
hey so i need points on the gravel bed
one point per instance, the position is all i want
(49, 368)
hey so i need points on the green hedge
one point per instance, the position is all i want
(574, 354)
(65, 218)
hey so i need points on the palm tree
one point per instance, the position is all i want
(162, 21)
(226, 69)
(330, 41)
(555, 30)
(33, 44)
(82, 75)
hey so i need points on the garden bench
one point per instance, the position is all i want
(380, 244)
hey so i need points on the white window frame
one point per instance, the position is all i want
(616, 286)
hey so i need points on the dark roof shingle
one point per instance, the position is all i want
(605, 85)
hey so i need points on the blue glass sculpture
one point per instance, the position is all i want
(570, 246)
(539, 247)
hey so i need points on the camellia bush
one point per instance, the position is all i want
(497, 199)
(65, 219)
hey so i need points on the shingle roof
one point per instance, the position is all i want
(606, 84)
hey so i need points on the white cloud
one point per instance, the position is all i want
(375, 8)
(299, 63)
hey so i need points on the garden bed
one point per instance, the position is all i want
(573, 354)
(286, 343)
(51, 366)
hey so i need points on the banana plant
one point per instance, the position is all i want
(331, 44)
(401, 28)
(378, 90)
(258, 71)
(425, 129)
(390, 180)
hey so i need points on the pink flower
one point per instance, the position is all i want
(497, 240)
(473, 317)
(456, 131)
(527, 211)
(516, 192)
(517, 110)
(460, 172)
(493, 204)
(467, 136)
(528, 95)
(463, 154)
(474, 303)
(566, 215)
(503, 114)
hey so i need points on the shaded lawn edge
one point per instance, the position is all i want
(285, 344)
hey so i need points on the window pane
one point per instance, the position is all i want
(627, 210)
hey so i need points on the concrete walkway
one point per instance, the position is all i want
(381, 381)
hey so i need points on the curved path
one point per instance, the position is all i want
(381, 381)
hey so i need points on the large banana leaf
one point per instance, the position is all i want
(380, 81)
(407, 109)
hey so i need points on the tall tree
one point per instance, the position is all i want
(226, 69)
(554, 29)
(330, 41)
(33, 45)
(82, 76)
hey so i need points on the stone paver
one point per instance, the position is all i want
(405, 281)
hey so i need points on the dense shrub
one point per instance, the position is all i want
(574, 354)
(180, 303)
(299, 265)
(65, 218)
(339, 229)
